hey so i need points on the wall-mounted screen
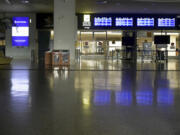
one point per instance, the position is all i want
(164, 39)
(125, 22)
(20, 31)
(166, 22)
(145, 22)
(102, 21)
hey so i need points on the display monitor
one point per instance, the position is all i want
(145, 22)
(102, 21)
(20, 31)
(166, 22)
(128, 41)
(124, 21)
(162, 39)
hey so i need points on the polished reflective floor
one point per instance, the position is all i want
(62, 102)
(99, 65)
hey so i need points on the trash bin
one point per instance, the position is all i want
(56, 58)
(64, 57)
(48, 58)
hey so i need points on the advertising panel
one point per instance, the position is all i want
(20, 31)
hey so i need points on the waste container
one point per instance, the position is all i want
(48, 58)
(56, 58)
(60, 58)
(64, 57)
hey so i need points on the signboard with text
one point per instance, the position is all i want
(129, 21)
(20, 31)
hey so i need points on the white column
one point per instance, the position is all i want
(65, 25)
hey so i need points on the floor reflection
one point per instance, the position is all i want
(46, 102)
(124, 98)
(102, 97)
(144, 98)
(20, 90)
(125, 88)
(165, 96)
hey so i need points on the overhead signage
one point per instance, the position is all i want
(129, 21)
(166, 22)
(145, 22)
(20, 31)
(87, 21)
(102, 21)
(123, 21)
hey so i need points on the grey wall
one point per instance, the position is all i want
(25, 52)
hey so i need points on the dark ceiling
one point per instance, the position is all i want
(95, 6)
(25, 6)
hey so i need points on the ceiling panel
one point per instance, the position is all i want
(128, 6)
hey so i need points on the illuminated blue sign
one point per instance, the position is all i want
(166, 22)
(20, 31)
(145, 22)
(124, 21)
(21, 21)
(102, 21)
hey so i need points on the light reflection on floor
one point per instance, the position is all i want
(46, 102)
(98, 64)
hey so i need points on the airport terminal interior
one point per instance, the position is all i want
(89, 67)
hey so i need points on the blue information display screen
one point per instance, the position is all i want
(124, 21)
(102, 21)
(166, 22)
(145, 22)
(20, 31)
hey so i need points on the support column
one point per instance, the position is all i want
(65, 25)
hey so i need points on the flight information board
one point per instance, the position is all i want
(145, 22)
(166, 22)
(102, 21)
(124, 21)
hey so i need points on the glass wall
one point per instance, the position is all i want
(109, 42)
(98, 42)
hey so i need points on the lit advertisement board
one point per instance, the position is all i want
(166, 22)
(102, 21)
(20, 31)
(124, 22)
(145, 22)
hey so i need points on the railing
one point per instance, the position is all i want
(153, 55)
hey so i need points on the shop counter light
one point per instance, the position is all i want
(173, 33)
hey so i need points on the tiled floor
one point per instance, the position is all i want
(100, 65)
(75, 102)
